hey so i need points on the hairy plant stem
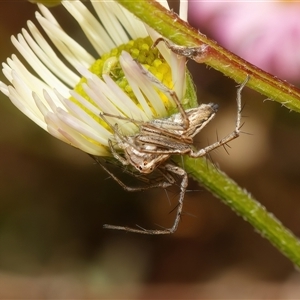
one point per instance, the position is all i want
(239, 200)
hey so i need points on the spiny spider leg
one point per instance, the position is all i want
(160, 184)
(197, 53)
(121, 140)
(116, 155)
(170, 168)
(231, 136)
(171, 147)
(165, 89)
(153, 127)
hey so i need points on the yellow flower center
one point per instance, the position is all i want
(140, 50)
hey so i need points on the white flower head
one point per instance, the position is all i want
(68, 91)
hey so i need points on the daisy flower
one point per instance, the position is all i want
(67, 88)
(265, 33)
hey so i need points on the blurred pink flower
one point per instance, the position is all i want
(266, 34)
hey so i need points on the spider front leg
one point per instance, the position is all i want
(197, 53)
(183, 186)
(168, 168)
(229, 137)
(116, 155)
(161, 184)
(166, 90)
(122, 141)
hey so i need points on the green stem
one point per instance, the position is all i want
(243, 204)
(170, 26)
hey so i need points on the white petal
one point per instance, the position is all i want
(95, 89)
(21, 97)
(60, 129)
(93, 30)
(57, 134)
(81, 143)
(110, 22)
(111, 98)
(122, 101)
(87, 119)
(176, 63)
(31, 114)
(183, 9)
(163, 49)
(40, 104)
(81, 127)
(15, 65)
(53, 124)
(4, 89)
(103, 99)
(70, 49)
(85, 103)
(48, 56)
(134, 75)
(36, 64)
(164, 3)
(119, 15)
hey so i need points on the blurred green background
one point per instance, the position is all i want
(54, 200)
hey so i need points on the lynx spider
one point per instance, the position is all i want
(157, 140)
